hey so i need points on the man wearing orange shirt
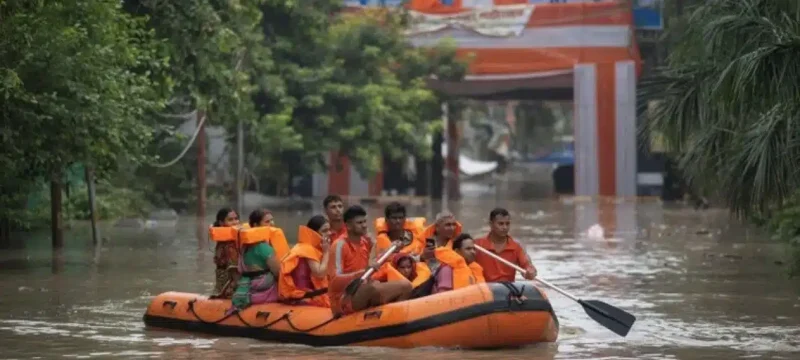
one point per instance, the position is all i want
(334, 208)
(499, 242)
(351, 257)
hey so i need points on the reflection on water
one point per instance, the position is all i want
(701, 287)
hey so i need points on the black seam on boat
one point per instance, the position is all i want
(389, 331)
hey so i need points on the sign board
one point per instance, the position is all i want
(501, 21)
(648, 14)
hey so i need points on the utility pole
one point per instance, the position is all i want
(240, 167)
(201, 179)
(449, 148)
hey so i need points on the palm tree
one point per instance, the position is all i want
(728, 101)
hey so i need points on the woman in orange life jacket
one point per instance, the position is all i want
(226, 257)
(304, 270)
(277, 239)
(258, 267)
(405, 266)
(458, 267)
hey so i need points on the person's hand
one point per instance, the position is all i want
(427, 254)
(398, 244)
(326, 244)
(531, 273)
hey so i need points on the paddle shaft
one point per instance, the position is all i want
(521, 270)
(380, 261)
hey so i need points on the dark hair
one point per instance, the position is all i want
(331, 198)
(316, 222)
(459, 240)
(393, 208)
(498, 212)
(257, 215)
(353, 212)
(221, 215)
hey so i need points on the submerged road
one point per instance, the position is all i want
(701, 285)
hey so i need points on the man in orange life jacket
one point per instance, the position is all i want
(351, 256)
(499, 242)
(399, 228)
(334, 206)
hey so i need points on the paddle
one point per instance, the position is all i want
(355, 284)
(613, 318)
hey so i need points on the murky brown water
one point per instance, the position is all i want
(701, 286)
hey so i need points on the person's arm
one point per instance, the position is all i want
(444, 279)
(266, 251)
(373, 252)
(273, 264)
(318, 269)
(524, 262)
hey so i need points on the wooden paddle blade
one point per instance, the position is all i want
(613, 318)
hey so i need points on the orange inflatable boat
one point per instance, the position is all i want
(489, 315)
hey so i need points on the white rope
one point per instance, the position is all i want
(185, 149)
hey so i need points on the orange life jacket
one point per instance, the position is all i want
(309, 248)
(413, 225)
(463, 274)
(388, 272)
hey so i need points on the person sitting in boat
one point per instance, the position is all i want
(225, 256)
(257, 264)
(499, 242)
(277, 239)
(458, 268)
(406, 267)
(395, 226)
(352, 255)
(444, 229)
(334, 208)
(304, 271)
(442, 232)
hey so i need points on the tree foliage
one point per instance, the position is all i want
(76, 80)
(352, 84)
(729, 101)
(98, 82)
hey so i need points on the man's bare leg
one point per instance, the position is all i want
(365, 297)
(392, 291)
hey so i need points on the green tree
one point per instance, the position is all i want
(729, 99)
(353, 84)
(76, 79)
(728, 104)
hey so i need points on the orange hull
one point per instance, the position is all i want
(492, 315)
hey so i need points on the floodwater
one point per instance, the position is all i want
(701, 286)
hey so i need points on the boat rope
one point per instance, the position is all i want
(514, 294)
(284, 317)
(191, 309)
(264, 314)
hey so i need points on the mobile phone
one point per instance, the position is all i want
(430, 243)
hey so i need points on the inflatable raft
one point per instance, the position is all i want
(491, 315)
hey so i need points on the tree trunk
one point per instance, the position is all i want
(90, 189)
(57, 219)
(201, 180)
(5, 233)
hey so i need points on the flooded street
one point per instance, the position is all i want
(701, 286)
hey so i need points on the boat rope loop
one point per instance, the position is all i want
(265, 315)
(191, 309)
(284, 317)
(514, 294)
